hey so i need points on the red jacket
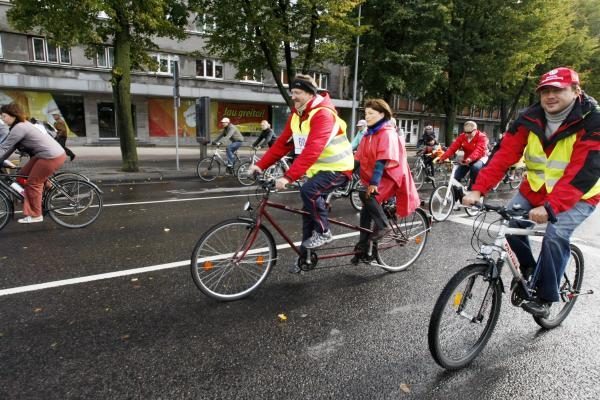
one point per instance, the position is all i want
(321, 126)
(580, 175)
(474, 150)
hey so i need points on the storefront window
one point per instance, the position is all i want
(72, 110)
(107, 120)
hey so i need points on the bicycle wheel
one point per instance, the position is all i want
(570, 285)
(232, 259)
(6, 209)
(74, 203)
(63, 176)
(418, 173)
(355, 200)
(517, 178)
(464, 317)
(242, 174)
(472, 211)
(400, 248)
(208, 169)
(440, 205)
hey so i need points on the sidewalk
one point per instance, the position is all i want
(103, 164)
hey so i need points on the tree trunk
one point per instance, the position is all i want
(450, 121)
(121, 84)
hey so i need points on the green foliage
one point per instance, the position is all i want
(272, 34)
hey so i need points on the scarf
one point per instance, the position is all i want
(371, 130)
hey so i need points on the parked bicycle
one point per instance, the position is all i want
(72, 203)
(210, 167)
(466, 312)
(436, 174)
(233, 258)
(445, 198)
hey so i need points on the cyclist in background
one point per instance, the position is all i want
(560, 139)
(318, 137)
(266, 135)
(46, 157)
(231, 132)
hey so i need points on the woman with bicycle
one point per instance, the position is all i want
(384, 170)
(46, 157)
(558, 136)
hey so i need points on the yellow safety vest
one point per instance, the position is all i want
(547, 170)
(337, 154)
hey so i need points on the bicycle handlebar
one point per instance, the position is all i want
(509, 214)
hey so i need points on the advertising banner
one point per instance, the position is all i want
(161, 118)
(245, 116)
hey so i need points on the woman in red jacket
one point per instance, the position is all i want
(384, 170)
(474, 143)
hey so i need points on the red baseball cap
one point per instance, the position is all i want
(559, 77)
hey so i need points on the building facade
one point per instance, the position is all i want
(47, 79)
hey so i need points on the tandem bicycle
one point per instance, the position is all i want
(233, 258)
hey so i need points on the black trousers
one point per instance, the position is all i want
(371, 212)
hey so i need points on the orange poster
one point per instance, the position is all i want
(245, 116)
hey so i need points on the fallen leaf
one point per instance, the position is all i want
(122, 227)
(37, 309)
(282, 317)
(54, 344)
(134, 279)
(405, 388)
(125, 337)
(167, 229)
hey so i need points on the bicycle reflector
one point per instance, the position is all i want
(207, 265)
(260, 260)
(457, 299)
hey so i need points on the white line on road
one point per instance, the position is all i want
(134, 271)
(134, 203)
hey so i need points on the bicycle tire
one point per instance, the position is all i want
(442, 175)
(440, 206)
(400, 249)
(418, 174)
(355, 200)
(242, 174)
(67, 175)
(570, 283)
(6, 209)
(445, 350)
(517, 178)
(208, 169)
(213, 270)
(472, 211)
(74, 204)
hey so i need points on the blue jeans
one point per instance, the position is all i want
(231, 149)
(473, 169)
(313, 193)
(555, 252)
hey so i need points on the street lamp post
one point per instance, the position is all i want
(175, 67)
(353, 128)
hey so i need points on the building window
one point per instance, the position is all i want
(284, 78)
(252, 76)
(204, 24)
(322, 80)
(207, 68)
(165, 63)
(106, 57)
(48, 52)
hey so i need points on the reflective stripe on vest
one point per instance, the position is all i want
(547, 170)
(337, 154)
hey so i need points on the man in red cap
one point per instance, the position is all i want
(559, 138)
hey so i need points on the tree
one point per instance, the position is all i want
(455, 54)
(128, 25)
(263, 34)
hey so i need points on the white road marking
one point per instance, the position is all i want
(134, 271)
(133, 203)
